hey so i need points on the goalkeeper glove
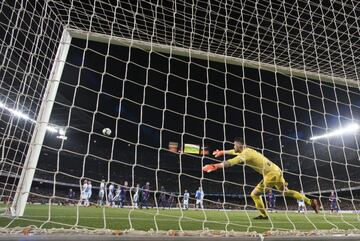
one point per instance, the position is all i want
(218, 153)
(210, 168)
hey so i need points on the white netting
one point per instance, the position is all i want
(162, 75)
(29, 39)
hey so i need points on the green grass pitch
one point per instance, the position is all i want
(145, 219)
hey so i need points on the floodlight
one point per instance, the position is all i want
(348, 129)
(19, 114)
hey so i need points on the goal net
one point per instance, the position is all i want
(110, 109)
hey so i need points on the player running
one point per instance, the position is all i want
(272, 175)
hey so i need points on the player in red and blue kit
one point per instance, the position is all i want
(271, 200)
(145, 194)
(333, 202)
(162, 198)
(122, 194)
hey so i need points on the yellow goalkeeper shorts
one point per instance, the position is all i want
(272, 180)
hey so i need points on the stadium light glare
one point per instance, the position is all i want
(348, 129)
(62, 132)
(21, 115)
(62, 137)
(52, 129)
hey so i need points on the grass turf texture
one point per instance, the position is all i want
(145, 219)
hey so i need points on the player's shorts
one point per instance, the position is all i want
(84, 195)
(272, 180)
(186, 202)
(136, 197)
(301, 204)
(199, 201)
(89, 195)
(101, 194)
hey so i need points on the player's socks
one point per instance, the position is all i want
(259, 204)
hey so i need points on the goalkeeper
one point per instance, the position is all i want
(272, 175)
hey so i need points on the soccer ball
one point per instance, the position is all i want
(106, 131)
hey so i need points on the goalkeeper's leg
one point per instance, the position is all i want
(282, 186)
(297, 195)
(256, 196)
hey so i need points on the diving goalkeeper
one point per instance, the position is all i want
(272, 175)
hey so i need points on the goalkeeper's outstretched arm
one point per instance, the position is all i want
(219, 153)
(214, 167)
(225, 164)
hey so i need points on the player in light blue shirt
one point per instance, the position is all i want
(186, 198)
(136, 196)
(101, 194)
(88, 192)
(111, 194)
(83, 193)
(199, 196)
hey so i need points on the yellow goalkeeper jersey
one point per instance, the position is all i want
(255, 160)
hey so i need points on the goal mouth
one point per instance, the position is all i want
(112, 111)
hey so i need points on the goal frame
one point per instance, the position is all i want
(174, 50)
(23, 189)
(27, 173)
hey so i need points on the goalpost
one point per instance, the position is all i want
(41, 126)
(163, 75)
